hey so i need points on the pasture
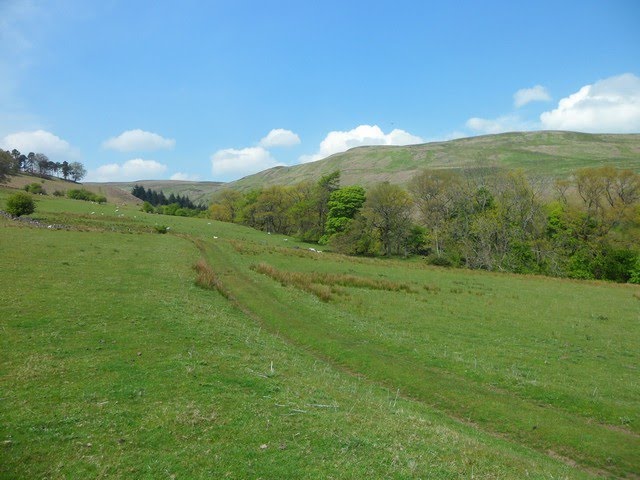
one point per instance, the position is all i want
(281, 362)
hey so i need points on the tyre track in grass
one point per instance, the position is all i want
(577, 441)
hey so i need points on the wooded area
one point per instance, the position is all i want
(586, 226)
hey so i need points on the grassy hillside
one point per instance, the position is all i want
(548, 153)
(198, 192)
(113, 194)
(296, 364)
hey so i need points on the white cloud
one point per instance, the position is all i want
(40, 141)
(279, 137)
(138, 140)
(528, 95)
(231, 163)
(135, 169)
(184, 176)
(611, 105)
(505, 123)
(338, 141)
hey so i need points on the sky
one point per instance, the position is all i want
(216, 90)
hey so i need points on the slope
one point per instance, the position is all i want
(145, 375)
(198, 192)
(547, 153)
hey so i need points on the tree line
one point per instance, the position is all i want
(13, 162)
(586, 226)
(156, 198)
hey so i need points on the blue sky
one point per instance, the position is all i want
(215, 90)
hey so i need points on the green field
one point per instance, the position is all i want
(114, 363)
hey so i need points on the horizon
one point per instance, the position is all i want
(241, 87)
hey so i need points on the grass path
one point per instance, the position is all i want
(113, 364)
(336, 335)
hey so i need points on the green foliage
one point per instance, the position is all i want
(35, 188)
(58, 193)
(147, 207)
(387, 211)
(86, 195)
(162, 229)
(417, 242)
(634, 276)
(344, 203)
(6, 165)
(20, 204)
(77, 171)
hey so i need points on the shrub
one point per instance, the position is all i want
(20, 204)
(439, 261)
(161, 228)
(82, 194)
(58, 193)
(35, 188)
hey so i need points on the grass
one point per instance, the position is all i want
(120, 357)
(546, 153)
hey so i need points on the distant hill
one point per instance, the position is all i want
(198, 192)
(549, 153)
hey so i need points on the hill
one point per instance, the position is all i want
(548, 153)
(51, 184)
(198, 192)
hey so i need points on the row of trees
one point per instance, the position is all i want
(13, 162)
(587, 226)
(156, 198)
(300, 210)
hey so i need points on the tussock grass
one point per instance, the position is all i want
(206, 278)
(323, 285)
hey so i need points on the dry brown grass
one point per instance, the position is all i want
(207, 278)
(324, 285)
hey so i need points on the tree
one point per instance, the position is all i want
(272, 209)
(66, 170)
(388, 210)
(31, 162)
(42, 162)
(343, 204)
(17, 161)
(20, 204)
(6, 163)
(77, 171)
(326, 185)
(433, 193)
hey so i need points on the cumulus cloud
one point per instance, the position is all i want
(339, 141)
(184, 176)
(528, 95)
(505, 123)
(135, 169)
(279, 137)
(40, 141)
(611, 105)
(231, 163)
(138, 140)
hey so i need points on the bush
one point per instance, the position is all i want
(82, 194)
(35, 188)
(20, 204)
(58, 193)
(161, 228)
(439, 261)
